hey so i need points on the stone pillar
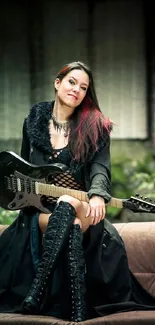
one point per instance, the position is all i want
(150, 55)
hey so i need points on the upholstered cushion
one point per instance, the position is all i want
(139, 238)
(125, 318)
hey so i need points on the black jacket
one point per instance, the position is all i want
(37, 149)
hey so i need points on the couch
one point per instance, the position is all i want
(139, 238)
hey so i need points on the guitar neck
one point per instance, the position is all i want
(57, 191)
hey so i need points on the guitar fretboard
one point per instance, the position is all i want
(57, 191)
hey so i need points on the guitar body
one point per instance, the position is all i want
(17, 181)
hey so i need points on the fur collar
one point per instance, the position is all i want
(38, 125)
(38, 128)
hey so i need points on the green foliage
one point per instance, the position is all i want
(130, 177)
(7, 217)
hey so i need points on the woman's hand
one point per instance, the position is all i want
(96, 209)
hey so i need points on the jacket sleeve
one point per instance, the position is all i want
(100, 173)
(25, 146)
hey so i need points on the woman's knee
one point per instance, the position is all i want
(43, 221)
(77, 221)
(74, 202)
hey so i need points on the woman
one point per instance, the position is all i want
(78, 136)
(68, 263)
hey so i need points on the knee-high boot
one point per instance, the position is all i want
(76, 273)
(55, 237)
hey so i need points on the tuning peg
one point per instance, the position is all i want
(137, 194)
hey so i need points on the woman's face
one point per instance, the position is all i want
(72, 89)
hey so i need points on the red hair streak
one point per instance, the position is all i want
(91, 126)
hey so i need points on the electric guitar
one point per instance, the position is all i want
(23, 184)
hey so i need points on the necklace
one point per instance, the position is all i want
(60, 125)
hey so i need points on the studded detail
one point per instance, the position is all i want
(59, 225)
(76, 271)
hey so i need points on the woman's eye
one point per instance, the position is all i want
(84, 88)
(72, 82)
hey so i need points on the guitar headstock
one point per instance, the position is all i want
(139, 203)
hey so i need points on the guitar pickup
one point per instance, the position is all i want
(19, 188)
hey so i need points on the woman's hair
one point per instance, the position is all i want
(87, 123)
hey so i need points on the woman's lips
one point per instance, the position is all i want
(74, 96)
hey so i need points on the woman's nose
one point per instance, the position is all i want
(76, 88)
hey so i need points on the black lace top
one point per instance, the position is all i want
(64, 179)
(60, 156)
